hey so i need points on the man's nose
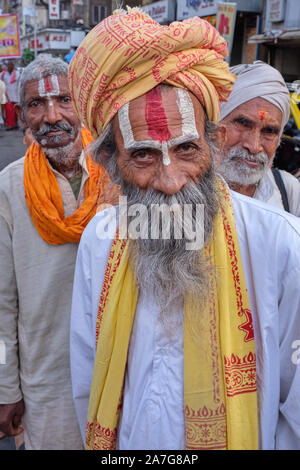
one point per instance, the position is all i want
(52, 113)
(252, 141)
(170, 179)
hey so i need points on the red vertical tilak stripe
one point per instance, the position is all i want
(48, 88)
(156, 117)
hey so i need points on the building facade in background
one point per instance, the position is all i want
(264, 29)
(247, 23)
(279, 38)
(60, 24)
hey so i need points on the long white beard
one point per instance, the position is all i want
(165, 267)
(235, 170)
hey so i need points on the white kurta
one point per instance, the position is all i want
(267, 191)
(35, 303)
(12, 89)
(153, 415)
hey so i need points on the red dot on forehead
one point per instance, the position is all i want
(262, 114)
(155, 115)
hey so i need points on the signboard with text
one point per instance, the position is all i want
(9, 36)
(54, 10)
(161, 12)
(190, 8)
(276, 10)
(59, 40)
(226, 16)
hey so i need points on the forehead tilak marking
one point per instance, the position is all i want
(130, 142)
(46, 89)
(189, 129)
(262, 114)
(157, 122)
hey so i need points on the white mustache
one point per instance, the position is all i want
(260, 157)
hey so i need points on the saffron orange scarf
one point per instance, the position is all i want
(220, 399)
(44, 200)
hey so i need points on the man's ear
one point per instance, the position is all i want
(20, 114)
(220, 138)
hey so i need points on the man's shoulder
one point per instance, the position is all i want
(101, 229)
(11, 177)
(15, 167)
(290, 181)
(12, 194)
(251, 212)
(96, 241)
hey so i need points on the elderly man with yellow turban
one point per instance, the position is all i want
(183, 335)
(255, 116)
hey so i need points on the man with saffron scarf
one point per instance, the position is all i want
(255, 115)
(46, 200)
(173, 346)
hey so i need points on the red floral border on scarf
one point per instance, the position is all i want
(206, 428)
(110, 272)
(247, 326)
(103, 438)
(240, 374)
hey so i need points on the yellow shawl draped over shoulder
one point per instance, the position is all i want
(220, 399)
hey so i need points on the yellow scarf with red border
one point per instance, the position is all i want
(44, 200)
(220, 399)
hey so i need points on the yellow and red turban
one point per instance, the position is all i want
(128, 54)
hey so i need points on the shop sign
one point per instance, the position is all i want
(190, 8)
(276, 10)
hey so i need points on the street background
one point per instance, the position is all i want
(11, 146)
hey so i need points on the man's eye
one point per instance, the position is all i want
(65, 99)
(140, 154)
(270, 131)
(34, 104)
(243, 122)
(187, 147)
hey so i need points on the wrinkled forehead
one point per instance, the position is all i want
(161, 115)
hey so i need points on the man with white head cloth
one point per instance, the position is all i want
(255, 116)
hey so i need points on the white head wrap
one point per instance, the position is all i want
(258, 80)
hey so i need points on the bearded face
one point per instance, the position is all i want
(253, 131)
(160, 155)
(49, 113)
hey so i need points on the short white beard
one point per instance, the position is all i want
(59, 154)
(234, 170)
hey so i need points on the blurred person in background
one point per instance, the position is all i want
(11, 77)
(255, 115)
(3, 100)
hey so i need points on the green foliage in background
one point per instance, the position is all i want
(27, 56)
